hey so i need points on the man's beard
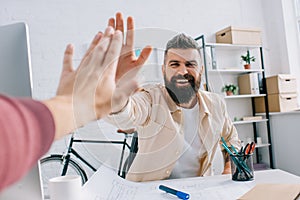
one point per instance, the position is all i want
(182, 94)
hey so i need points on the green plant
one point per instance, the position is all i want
(230, 88)
(247, 58)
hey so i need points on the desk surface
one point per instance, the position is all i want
(213, 187)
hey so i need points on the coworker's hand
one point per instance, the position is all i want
(128, 64)
(85, 94)
(68, 74)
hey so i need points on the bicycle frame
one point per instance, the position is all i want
(71, 150)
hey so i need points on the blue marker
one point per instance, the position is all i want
(179, 194)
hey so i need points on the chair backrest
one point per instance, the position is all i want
(133, 151)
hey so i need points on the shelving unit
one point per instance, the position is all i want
(226, 71)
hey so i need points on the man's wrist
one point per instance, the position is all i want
(120, 110)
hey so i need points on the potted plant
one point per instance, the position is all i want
(248, 59)
(230, 89)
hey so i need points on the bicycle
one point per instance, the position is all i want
(68, 165)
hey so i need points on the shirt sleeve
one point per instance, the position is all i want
(27, 131)
(229, 132)
(135, 113)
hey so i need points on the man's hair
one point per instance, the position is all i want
(181, 41)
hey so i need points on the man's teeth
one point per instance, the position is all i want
(182, 81)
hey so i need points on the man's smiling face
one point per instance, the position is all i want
(182, 74)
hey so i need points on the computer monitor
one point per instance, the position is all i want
(15, 63)
(15, 80)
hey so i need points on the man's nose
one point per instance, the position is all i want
(182, 70)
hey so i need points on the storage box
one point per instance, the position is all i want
(248, 83)
(281, 83)
(235, 35)
(277, 103)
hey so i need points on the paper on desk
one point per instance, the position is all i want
(106, 184)
(272, 191)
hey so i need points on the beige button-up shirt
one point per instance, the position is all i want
(159, 124)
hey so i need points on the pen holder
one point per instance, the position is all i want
(242, 167)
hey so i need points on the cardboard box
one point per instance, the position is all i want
(235, 35)
(281, 83)
(277, 103)
(248, 83)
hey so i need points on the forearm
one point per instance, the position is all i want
(63, 115)
(134, 113)
(27, 132)
(227, 166)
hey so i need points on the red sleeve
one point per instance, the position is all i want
(26, 133)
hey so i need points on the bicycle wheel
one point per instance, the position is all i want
(52, 166)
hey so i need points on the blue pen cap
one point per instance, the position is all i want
(182, 195)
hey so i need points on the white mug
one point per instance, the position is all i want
(65, 188)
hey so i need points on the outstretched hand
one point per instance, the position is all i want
(128, 60)
(102, 83)
(128, 64)
(85, 94)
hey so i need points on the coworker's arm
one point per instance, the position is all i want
(27, 132)
(135, 113)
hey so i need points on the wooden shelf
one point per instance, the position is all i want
(244, 96)
(235, 71)
(249, 121)
(232, 46)
(262, 145)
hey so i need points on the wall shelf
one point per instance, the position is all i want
(244, 96)
(222, 65)
(235, 71)
(249, 121)
(262, 145)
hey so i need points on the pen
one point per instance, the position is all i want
(179, 194)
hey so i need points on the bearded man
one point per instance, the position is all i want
(179, 126)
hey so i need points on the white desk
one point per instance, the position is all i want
(106, 185)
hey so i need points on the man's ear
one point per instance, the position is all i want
(163, 69)
(201, 70)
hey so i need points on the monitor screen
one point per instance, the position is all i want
(15, 64)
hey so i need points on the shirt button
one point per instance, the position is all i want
(177, 153)
(168, 172)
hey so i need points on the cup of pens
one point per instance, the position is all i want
(242, 167)
(241, 161)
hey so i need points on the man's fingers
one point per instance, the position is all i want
(68, 55)
(111, 22)
(144, 56)
(99, 53)
(130, 23)
(130, 32)
(112, 55)
(119, 22)
(94, 43)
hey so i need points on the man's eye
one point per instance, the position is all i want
(174, 64)
(190, 65)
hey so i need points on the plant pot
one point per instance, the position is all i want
(247, 66)
(229, 93)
